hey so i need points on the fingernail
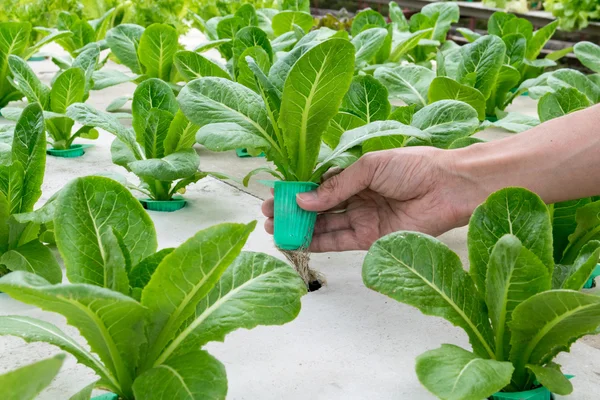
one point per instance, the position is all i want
(307, 196)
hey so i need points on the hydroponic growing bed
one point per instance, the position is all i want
(124, 210)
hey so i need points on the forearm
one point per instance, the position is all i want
(559, 160)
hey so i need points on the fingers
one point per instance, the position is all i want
(332, 222)
(267, 208)
(269, 226)
(340, 187)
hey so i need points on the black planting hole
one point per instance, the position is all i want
(314, 286)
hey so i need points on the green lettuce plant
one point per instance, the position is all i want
(416, 40)
(573, 15)
(158, 149)
(146, 315)
(84, 33)
(296, 100)
(15, 39)
(21, 174)
(70, 86)
(517, 307)
(25, 383)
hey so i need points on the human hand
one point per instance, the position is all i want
(413, 188)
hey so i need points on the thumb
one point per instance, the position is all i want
(339, 188)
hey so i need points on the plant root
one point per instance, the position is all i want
(300, 260)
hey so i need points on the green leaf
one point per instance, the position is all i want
(513, 275)
(588, 228)
(561, 102)
(155, 132)
(124, 41)
(27, 382)
(27, 82)
(539, 39)
(513, 122)
(249, 37)
(111, 323)
(568, 78)
(29, 149)
(67, 89)
(481, 62)
(397, 17)
(284, 21)
(443, 88)
(365, 18)
(246, 75)
(213, 44)
(181, 134)
(410, 267)
(233, 302)
(226, 136)
(339, 124)
(35, 330)
(312, 94)
(367, 98)
(548, 323)
(410, 42)
(583, 266)
(444, 14)
(464, 142)
(87, 115)
(452, 373)
(107, 78)
(152, 93)
(445, 121)
(118, 103)
(140, 274)
(185, 277)
(216, 100)
(368, 43)
(468, 34)
(508, 78)
(248, 14)
(564, 224)
(191, 65)
(515, 49)
(195, 375)
(296, 5)
(552, 378)
(85, 393)
(177, 165)
(589, 55)
(14, 38)
(408, 83)
(514, 211)
(158, 44)
(33, 257)
(90, 211)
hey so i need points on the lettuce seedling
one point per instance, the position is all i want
(69, 87)
(15, 39)
(158, 149)
(84, 33)
(416, 40)
(146, 315)
(21, 174)
(294, 102)
(26, 383)
(517, 307)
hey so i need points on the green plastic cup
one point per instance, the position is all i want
(243, 153)
(491, 118)
(540, 393)
(36, 57)
(76, 150)
(177, 203)
(590, 282)
(106, 396)
(294, 226)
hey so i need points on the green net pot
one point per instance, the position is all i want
(294, 226)
(243, 153)
(76, 150)
(540, 393)
(36, 57)
(176, 203)
(590, 282)
(106, 396)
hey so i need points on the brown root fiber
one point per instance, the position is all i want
(300, 260)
